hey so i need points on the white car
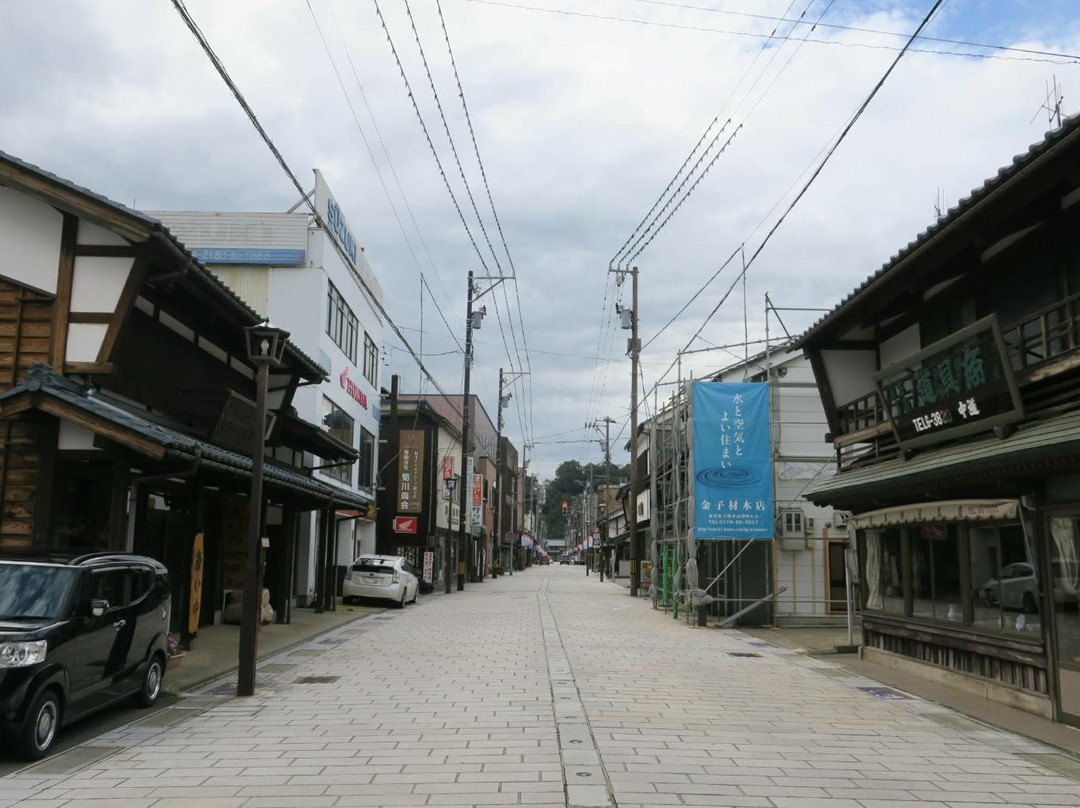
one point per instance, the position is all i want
(1018, 586)
(382, 577)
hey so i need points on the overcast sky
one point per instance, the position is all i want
(581, 122)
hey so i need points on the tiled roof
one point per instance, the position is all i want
(41, 378)
(1044, 440)
(1019, 163)
(155, 225)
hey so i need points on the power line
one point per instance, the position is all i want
(1065, 60)
(242, 101)
(491, 202)
(806, 186)
(371, 154)
(859, 29)
(390, 163)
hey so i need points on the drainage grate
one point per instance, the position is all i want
(383, 617)
(886, 693)
(744, 654)
(227, 689)
(331, 642)
(315, 680)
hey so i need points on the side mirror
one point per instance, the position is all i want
(98, 607)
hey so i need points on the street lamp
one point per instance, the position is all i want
(265, 347)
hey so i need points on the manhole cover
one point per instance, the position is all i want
(227, 689)
(315, 680)
(276, 667)
(744, 654)
(886, 693)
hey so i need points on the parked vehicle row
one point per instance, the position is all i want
(77, 634)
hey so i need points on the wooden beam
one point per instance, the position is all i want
(101, 426)
(93, 317)
(90, 368)
(73, 202)
(824, 388)
(862, 435)
(65, 277)
(124, 307)
(107, 251)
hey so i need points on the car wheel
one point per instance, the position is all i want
(401, 603)
(1031, 606)
(40, 728)
(151, 683)
(416, 593)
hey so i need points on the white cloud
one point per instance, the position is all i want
(581, 123)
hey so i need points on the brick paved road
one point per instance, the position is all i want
(548, 689)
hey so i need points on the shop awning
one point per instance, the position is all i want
(957, 510)
(1052, 439)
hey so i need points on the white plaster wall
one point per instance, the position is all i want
(850, 374)
(84, 341)
(30, 235)
(90, 233)
(98, 282)
(901, 346)
(74, 437)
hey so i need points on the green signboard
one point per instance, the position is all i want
(957, 386)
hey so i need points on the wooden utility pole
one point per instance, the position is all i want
(466, 484)
(635, 355)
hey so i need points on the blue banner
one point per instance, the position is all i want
(733, 478)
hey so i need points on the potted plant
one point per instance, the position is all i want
(175, 654)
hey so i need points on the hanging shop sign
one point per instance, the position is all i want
(957, 386)
(732, 468)
(429, 566)
(410, 471)
(406, 524)
(448, 468)
(235, 426)
(477, 504)
(195, 591)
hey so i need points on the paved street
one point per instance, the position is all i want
(548, 688)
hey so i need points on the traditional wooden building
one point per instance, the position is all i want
(126, 414)
(951, 383)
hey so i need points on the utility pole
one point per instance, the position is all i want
(463, 494)
(635, 355)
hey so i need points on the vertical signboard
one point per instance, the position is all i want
(447, 468)
(733, 481)
(195, 592)
(477, 504)
(410, 471)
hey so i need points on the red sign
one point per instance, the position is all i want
(405, 524)
(565, 506)
(477, 490)
(448, 468)
(350, 387)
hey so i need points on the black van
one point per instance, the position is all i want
(77, 634)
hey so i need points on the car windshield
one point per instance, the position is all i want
(373, 565)
(29, 591)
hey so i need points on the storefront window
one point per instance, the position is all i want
(1065, 566)
(884, 585)
(340, 425)
(935, 573)
(1004, 584)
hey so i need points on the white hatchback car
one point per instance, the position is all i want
(382, 577)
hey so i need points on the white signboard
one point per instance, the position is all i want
(429, 566)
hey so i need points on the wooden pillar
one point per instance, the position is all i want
(120, 483)
(285, 583)
(320, 561)
(332, 588)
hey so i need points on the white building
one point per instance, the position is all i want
(809, 543)
(291, 270)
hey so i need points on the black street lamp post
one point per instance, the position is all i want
(265, 347)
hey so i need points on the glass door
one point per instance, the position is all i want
(1064, 538)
